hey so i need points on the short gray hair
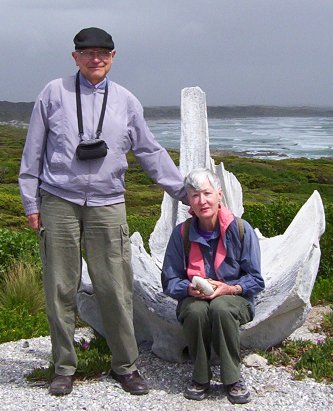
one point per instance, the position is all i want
(197, 177)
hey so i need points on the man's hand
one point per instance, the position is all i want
(34, 221)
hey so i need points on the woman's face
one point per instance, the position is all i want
(205, 202)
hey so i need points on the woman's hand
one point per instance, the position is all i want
(196, 292)
(220, 288)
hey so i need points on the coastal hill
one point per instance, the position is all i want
(15, 111)
(21, 111)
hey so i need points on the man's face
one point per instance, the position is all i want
(94, 63)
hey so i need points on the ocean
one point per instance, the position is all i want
(266, 132)
(261, 132)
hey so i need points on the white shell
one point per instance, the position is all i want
(203, 284)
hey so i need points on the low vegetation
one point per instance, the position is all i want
(273, 193)
(94, 360)
(306, 358)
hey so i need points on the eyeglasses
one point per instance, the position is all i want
(100, 54)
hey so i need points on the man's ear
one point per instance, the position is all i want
(74, 55)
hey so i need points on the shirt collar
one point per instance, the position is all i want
(194, 234)
(87, 83)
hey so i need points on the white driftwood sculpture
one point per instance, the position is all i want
(289, 262)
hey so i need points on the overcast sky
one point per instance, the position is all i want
(274, 52)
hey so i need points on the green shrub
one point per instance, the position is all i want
(252, 182)
(322, 292)
(327, 324)
(326, 245)
(271, 219)
(274, 218)
(18, 323)
(21, 286)
(8, 220)
(11, 202)
(17, 245)
(305, 357)
(316, 362)
(94, 359)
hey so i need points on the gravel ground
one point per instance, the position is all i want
(271, 388)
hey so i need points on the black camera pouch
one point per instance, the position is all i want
(91, 149)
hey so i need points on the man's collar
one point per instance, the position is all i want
(87, 83)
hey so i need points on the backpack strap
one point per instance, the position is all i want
(185, 231)
(241, 229)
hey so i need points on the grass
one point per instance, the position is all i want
(22, 304)
(18, 323)
(94, 360)
(22, 286)
(18, 245)
(293, 179)
(305, 358)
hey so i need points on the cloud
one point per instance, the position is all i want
(237, 51)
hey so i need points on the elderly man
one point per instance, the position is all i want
(212, 267)
(72, 186)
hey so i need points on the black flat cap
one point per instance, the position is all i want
(93, 37)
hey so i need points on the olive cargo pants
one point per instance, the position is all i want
(104, 233)
(214, 323)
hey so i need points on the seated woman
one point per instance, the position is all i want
(229, 259)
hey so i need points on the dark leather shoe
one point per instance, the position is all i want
(132, 383)
(61, 385)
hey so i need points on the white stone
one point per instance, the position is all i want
(289, 262)
(203, 284)
(255, 360)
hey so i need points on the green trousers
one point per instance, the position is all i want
(214, 324)
(103, 233)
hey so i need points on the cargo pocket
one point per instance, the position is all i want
(125, 242)
(42, 245)
(245, 312)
